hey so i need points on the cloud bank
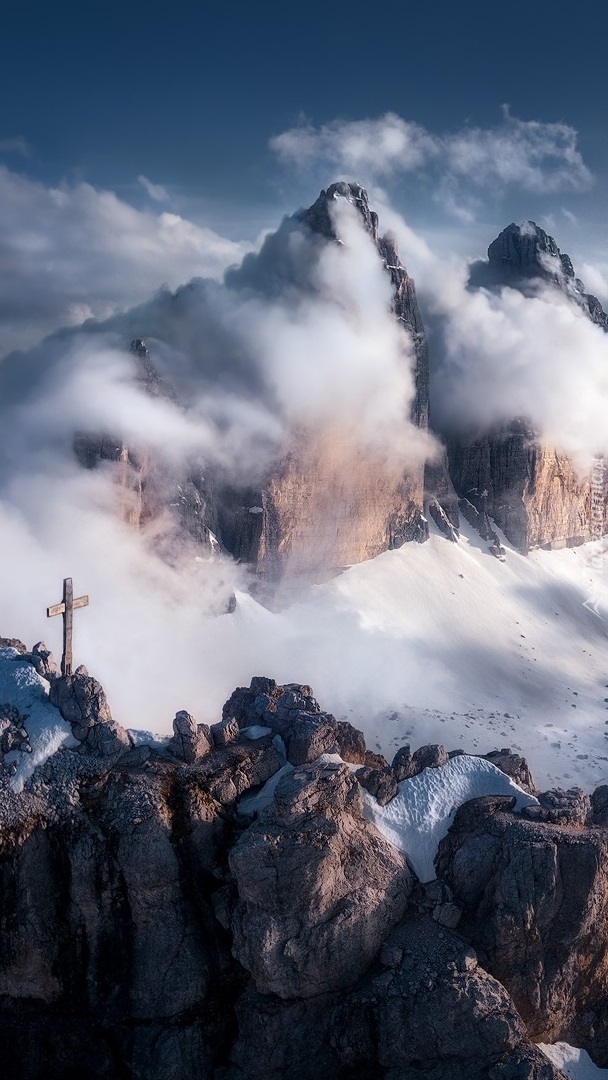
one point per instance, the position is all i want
(463, 166)
(74, 252)
(249, 364)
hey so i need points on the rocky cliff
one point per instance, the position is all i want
(327, 501)
(163, 919)
(533, 491)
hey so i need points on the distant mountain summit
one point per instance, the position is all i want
(522, 256)
(532, 490)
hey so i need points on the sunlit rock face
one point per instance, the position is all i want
(535, 493)
(332, 499)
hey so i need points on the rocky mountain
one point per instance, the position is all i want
(524, 255)
(326, 502)
(222, 906)
(533, 491)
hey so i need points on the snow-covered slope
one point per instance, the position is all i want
(441, 642)
(438, 642)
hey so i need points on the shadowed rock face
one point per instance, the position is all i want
(535, 898)
(532, 490)
(338, 887)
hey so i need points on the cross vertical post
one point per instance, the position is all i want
(68, 623)
(66, 608)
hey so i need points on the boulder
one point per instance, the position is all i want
(572, 807)
(514, 766)
(290, 711)
(431, 756)
(318, 888)
(380, 783)
(433, 1012)
(350, 743)
(43, 661)
(81, 700)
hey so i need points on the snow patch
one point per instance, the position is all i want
(21, 686)
(572, 1061)
(419, 817)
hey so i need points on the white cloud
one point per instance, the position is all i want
(385, 146)
(73, 252)
(155, 191)
(596, 280)
(505, 355)
(537, 157)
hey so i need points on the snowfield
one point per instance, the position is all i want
(442, 642)
(437, 642)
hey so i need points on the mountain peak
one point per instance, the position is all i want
(523, 255)
(318, 217)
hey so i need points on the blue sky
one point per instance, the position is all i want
(188, 96)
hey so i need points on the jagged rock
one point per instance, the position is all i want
(403, 766)
(227, 731)
(291, 711)
(230, 771)
(372, 760)
(442, 521)
(278, 1039)
(439, 488)
(534, 897)
(100, 898)
(436, 1007)
(514, 766)
(380, 783)
(302, 925)
(13, 643)
(572, 807)
(326, 505)
(599, 805)
(190, 741)
(432, 756)
(523, 255)
(350, 743)
(43, 661)
(13, 733)
(81, 700)
(534, 493)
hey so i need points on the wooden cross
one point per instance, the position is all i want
(66, 608)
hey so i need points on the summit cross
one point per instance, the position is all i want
(66, 608)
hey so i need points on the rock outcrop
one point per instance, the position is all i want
(318, 888)
(153, 925)
(534, 896)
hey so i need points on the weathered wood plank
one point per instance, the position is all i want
(66, 608)
(68, 621)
